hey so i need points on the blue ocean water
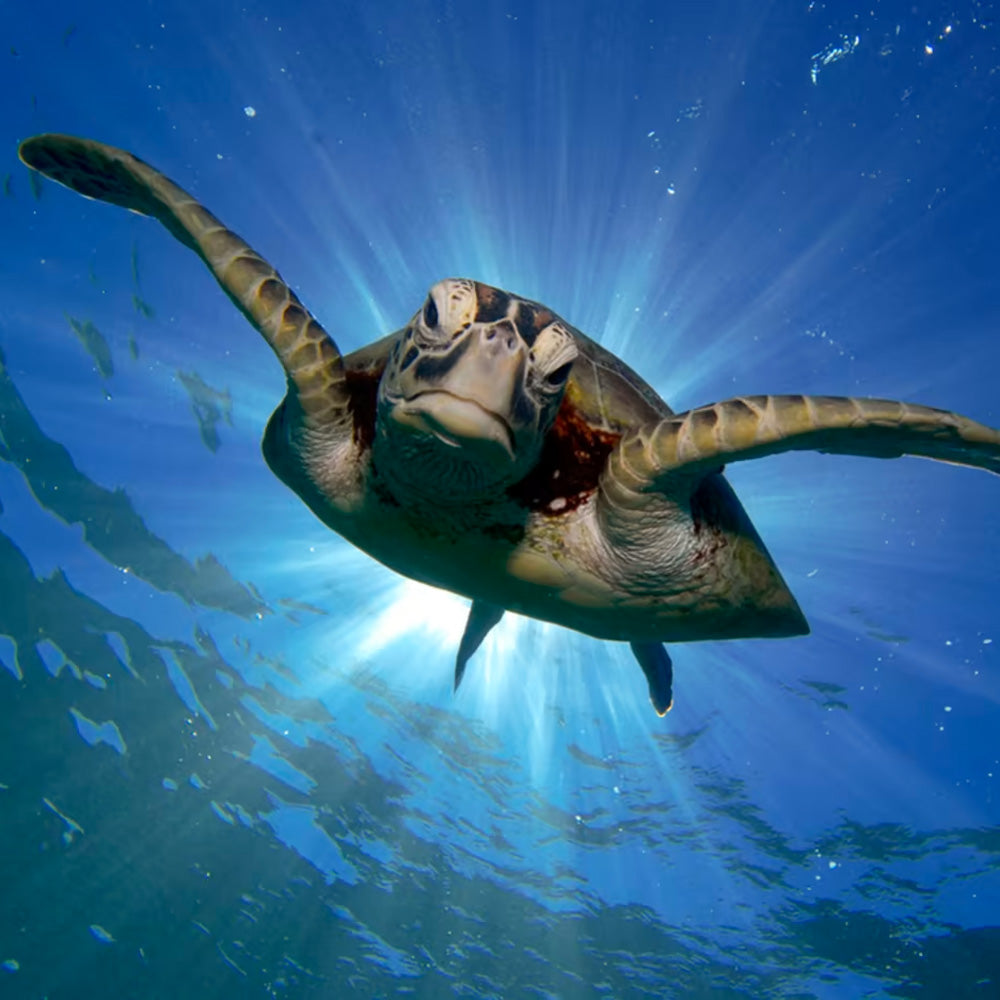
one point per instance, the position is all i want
(231, 763)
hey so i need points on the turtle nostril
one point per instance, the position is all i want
(502, 337)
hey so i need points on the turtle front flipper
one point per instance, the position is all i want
(306, 351)
(673, 456)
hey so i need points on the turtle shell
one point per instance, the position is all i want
(608, 395)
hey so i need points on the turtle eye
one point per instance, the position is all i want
(430, 314)
(560, 374)
(553, 354)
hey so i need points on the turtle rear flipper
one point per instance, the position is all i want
(482, 617)
(659, 670)
(306, 351)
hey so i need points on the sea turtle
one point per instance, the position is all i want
(490, 448)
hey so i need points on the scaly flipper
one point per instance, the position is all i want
(482, 617)
(672, 457)
(306, 351)
(659, 671)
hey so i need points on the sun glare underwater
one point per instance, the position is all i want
(231, 759)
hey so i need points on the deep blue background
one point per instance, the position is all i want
(816, 817)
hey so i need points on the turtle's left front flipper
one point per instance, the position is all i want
(672, 457)
(306, 351)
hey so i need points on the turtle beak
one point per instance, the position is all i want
(469, 405)
(459, 423)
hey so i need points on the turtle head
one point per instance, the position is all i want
(470, 390)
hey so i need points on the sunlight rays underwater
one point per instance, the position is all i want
(705, 289)
(525, 667)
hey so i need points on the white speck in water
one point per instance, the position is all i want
(929, 49)
(671, 189)
(250, 111)
(947, 708)
(832, 865)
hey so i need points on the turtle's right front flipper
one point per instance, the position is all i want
(306, 351)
